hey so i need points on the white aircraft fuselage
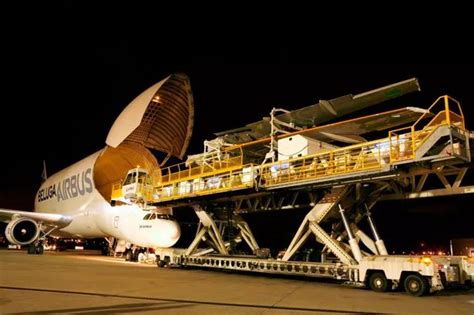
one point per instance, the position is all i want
(76, 202)
(72, 192)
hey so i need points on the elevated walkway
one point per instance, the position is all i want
(443, 139)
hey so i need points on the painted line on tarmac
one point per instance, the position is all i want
(192, 301)
(117, 260)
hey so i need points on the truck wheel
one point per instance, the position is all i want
(378, 282)
(416, 285)
(161, 263)
(467, 285)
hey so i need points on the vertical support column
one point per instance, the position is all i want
(446, 108)
(378, 241)
(352, 241)
(112, 244)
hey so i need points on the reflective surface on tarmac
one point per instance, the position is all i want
(79, 283)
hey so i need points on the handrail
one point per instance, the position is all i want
(210, 183)
(214, 163)
(446, 99)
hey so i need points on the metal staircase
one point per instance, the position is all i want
(311, 223)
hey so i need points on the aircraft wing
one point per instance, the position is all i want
(322, 112)
(350, 131)
(6, 215)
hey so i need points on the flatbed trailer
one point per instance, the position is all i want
(416, 274)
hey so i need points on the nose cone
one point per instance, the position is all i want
(166, 234)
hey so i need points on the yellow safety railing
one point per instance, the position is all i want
(216, 162)
(145, 192)
(401, 145)
(360, 157)
(142, 191)
(405, 141)
(451, 117)
(208, 184)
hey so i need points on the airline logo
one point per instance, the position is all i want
(71, 187)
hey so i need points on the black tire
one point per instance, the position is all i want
(161, 263)
(135, 254)
(416, 285)
(378, 282)
(467, 285)
(39, 249)
(31, 249)
(128, 256)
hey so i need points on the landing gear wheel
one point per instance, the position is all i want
(39, 249)
(35, 249)
(31, 249)
(416, 285)
(128, 256)
(135, 254)
(378, 282)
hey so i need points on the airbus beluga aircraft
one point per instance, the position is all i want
(76, 202)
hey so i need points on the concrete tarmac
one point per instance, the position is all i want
(76, 283)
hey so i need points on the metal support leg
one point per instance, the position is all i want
(245, 232)
(43, 237)
(317, 214)
(296, 241)
(366, 240)
(196, 241)
(209, 229)
(352, 241)
(378, 241)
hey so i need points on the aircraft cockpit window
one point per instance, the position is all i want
(165, 216)
(154, 216)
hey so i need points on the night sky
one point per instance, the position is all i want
(66, 84)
